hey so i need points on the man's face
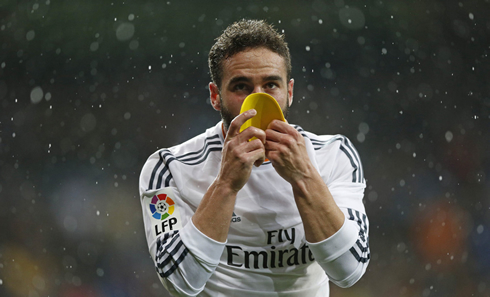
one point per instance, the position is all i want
(251, 71)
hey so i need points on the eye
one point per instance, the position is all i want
(241, 88)
(271, 85)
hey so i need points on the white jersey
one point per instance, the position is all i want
(266, 253)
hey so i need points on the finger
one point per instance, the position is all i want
(283, 127)
(273, 135)
(251, 132)
(272, 146)
(248, 151)
(273, 156)
(259, 161)
(278, 125)
(257, 155)
(277, 141)
(253, 152)
(238, 121)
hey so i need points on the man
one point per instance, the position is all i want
(280, 215)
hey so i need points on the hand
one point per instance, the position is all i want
(285, 148)
(239, 154)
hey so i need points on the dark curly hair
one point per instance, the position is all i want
(243, 35)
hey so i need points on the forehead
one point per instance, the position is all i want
(254, 62)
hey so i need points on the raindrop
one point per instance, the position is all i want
(373, 196)
(134, 44)
(30, 35)
(352, 18)
(401, 247)
(70, 223)
(125, 31)
(88, 122)
(37, 95)
(449, 136)
(480, 229)
(38, 282)
(364, 128)
(94, 46)
(361, 137)
(77, 281)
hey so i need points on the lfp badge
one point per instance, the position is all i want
(161, 206)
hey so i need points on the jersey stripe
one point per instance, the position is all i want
(351, 153)
(163, 155)
(345, 146)
(176, 264)
(356, 156)
(154, 171)
(361, 249)
(354, 175)
(201, 158)
(169, 255)
(190, 158)
(317, 143)
(207, 142)
(359, 258)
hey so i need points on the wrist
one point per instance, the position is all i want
(224, 187)
(306, 182)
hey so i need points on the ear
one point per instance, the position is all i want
(214, 96)
(290, 91)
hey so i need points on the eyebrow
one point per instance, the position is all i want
(273, 78)
(246, 79)
(239, 79)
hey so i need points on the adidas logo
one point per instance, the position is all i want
(235, 218)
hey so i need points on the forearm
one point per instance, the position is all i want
(320, 214)
(339, 242)
(185, 259)
(213, 216)
(345, 255)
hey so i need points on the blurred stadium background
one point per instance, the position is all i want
(89, 89)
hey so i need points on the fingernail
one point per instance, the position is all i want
(253, 112)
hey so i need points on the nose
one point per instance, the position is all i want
(258, 89)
